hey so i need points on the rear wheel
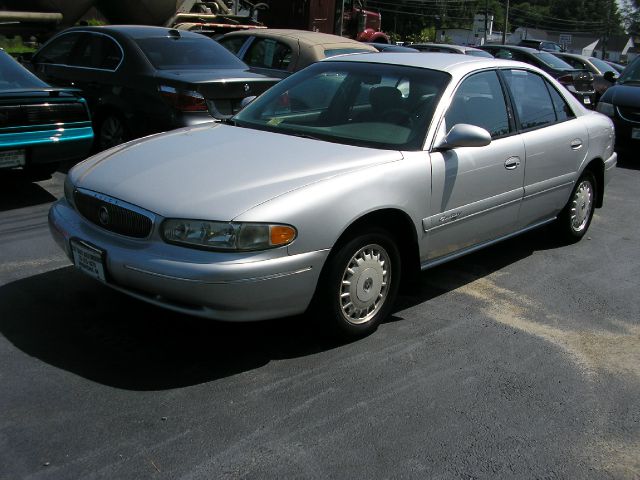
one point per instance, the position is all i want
(574, 220)
(360, 284)
(111, 131)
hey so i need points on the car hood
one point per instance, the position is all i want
(624, 95)
(216, 171)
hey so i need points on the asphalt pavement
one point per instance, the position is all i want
(519, 361)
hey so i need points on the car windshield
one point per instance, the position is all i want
(552, 61)
(631, 74)
(191, 53)
(354, 103)
(14, 76)
(602, 66)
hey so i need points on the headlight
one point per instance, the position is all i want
(606, 109)
(225, 235)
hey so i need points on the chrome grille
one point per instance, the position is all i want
(112, 214)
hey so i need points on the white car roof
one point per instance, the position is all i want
(453, 63)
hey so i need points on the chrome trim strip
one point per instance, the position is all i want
(243, 280)
(547, 190)
(462, 217)
(625, 118)
(438, 261)
(88, 68)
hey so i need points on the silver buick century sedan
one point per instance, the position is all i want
(334, 184)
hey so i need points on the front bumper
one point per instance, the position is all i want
(220, 285)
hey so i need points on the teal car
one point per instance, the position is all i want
(40, 126)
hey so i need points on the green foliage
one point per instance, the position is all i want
(15, 45)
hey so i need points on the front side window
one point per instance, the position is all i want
(233, 44)
(354, 103)
(58, 50)
(479, 101)
(531, 97)
(268, 53)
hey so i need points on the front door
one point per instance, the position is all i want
(476, 191)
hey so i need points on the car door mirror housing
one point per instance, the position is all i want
(465, 135)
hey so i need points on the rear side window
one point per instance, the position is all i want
(531, 97)
(190, 53)
(562, 108)
(97, 51)
(268, 53)
(58, 50)
(479, 101)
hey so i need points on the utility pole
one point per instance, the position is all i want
(486, 20)
(506, 24)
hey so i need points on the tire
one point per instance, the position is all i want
(574, 220)
(110, 131)
(359, 285)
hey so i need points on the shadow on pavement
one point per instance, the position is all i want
(17, 192)
(628, 160)
(74, 323)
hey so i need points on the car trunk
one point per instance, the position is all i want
(223, 90)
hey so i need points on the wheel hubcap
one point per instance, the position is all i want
(111, 133)
(365, 283)
(581, 206)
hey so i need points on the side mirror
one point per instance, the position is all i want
(609, 76)
(246, 101)
(465, 135)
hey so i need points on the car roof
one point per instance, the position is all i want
(452, 63)
(514, 47)
(135, 31)
(303, 36)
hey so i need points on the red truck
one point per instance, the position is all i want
(347, 18)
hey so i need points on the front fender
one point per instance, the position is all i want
(321, 212)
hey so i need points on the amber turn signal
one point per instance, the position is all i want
(281, 234)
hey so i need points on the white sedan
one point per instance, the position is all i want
(335, 183)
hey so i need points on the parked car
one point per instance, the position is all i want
(390, 47)
(409, 160)
(619, 68)
(578, 82)
(142, 80)
(542, 45)
(40, 126)
(447, 48)
(621, 102)
(604, 75)
(280, 52)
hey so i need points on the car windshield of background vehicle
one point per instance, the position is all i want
(332, 52)
(552, 61)
(14, 76)
(354, 103)
(602, 66)
(166, 53)
(631, 74)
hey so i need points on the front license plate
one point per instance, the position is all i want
(635, 133)
(88, 259)
(12, 158)
(587, 101)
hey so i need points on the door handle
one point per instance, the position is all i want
(576, 144)
(512, 163)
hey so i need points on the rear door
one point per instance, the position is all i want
(476, 191)
(556, 143)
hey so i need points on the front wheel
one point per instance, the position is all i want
(574, 220)
(360, 285)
